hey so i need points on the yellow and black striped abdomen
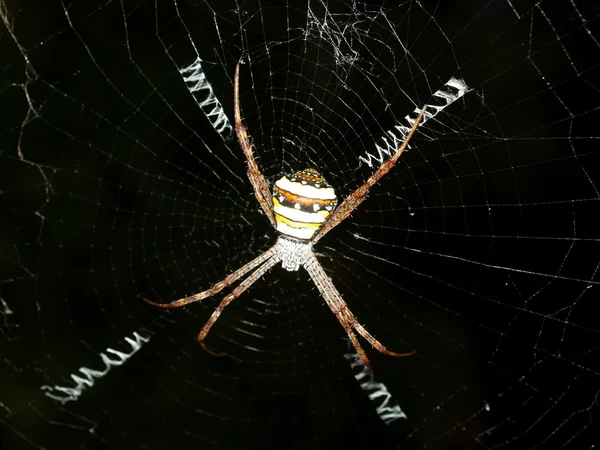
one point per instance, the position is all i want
(302, 202)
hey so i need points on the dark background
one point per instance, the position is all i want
(114, 186)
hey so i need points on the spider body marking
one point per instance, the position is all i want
(302, 203)
(302, 208)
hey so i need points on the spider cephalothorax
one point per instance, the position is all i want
(303, 208)
(293, 253)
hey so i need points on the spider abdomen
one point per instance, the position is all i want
(301, 203)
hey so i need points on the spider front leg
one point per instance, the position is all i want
(220, 285)
(268, 259)
(231, 297)
(374, 342)
(339, 307)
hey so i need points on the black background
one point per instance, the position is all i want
(114, 186)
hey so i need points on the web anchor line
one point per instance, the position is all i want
(198, 85)
(392, 139)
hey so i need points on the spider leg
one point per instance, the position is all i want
(231, 297)
(375, 343)
(352, 336)
(220, 285)
(356, 198)
(339, 307)
(321, 280)
(260, 186)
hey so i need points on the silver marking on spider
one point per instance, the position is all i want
(297, 206)
(292, 253)
(316, 207)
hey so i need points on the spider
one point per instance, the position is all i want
(302, 208)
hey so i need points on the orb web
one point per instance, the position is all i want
(121, 178)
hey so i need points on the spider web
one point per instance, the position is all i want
(121, 179)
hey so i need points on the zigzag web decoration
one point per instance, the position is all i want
(448, 94)
(201, 89)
